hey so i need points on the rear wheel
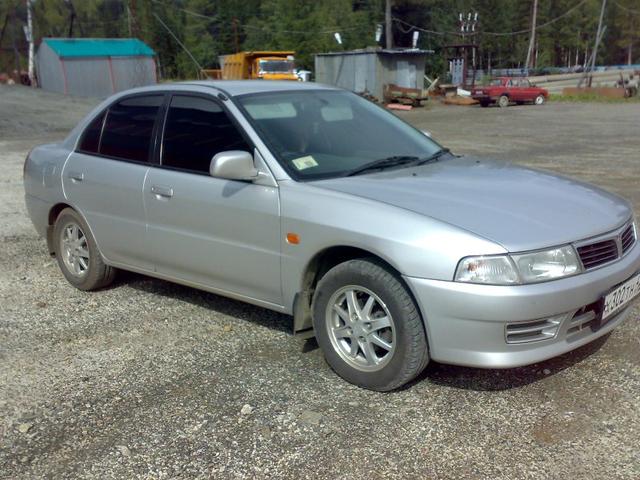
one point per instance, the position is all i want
(539, 100)
(77, 253)
(368, 326)
(503, 101)
(484, 104)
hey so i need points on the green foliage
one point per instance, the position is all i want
(209, 28)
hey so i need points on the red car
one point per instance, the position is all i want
(505, 90)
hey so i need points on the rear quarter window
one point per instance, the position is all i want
(90, 140)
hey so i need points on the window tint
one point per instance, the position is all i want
(91, 136)
(196, 129)
(128, 128)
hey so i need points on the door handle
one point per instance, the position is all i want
(162, 191)
(76, 176)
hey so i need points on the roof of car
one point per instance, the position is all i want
(243, 87)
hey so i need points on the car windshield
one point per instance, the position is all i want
(322, 133)
(276, 66)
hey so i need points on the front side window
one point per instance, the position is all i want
(129, 126)
(196, 129)
(323, 133)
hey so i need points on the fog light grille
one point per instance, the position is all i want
(534, 331)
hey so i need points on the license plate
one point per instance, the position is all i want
(620, 297)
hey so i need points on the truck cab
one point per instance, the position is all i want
(258, 65)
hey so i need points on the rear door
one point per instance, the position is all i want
(212, 232)
(104, 177)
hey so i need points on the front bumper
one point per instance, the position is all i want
(466, 323)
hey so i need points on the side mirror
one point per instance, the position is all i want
(426, 133)
(233, 165)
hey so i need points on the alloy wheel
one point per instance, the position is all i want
(361, 328)
(75, 249)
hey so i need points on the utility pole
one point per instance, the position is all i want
(29, 35)
(597, 42)
(387, 23)
(532, 39)
(129, 21)
(234, 23)
(133, 20)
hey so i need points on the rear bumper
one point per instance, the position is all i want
(466, 323)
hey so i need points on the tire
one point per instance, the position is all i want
(77, 253)
(484, 104)
(503, 101)
(539, 100)
(381, 349)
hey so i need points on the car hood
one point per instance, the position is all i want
(516, 207)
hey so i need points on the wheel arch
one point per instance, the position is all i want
(317, 267)
(54, 212)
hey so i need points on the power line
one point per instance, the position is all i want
(496, 34)
(179, 42)
(627, 9)
(188, 12)
(328, 31)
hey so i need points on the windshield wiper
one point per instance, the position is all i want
(383, 163)
(434, 157)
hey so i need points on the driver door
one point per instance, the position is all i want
(211, 232)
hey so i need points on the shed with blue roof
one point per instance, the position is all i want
(94, 67)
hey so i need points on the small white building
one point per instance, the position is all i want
(94, 67)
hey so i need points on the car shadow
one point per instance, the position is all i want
(210, 301)
(452, 376)
(478, 379)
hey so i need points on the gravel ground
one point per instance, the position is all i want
(152, 380)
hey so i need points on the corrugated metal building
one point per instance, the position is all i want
(94, 67)
(369, 70)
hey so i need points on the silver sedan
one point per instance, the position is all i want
(314, 202)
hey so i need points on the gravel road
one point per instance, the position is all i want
(152, 380)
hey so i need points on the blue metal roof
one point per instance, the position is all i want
(99, 47)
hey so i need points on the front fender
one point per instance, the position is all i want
(413, 244)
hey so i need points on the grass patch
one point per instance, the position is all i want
(591, 97)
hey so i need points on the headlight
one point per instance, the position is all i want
(547, 265)
(520, 268)
(494, 270)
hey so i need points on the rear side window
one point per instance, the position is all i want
(196, 129)
(129, 126)
(91, 137)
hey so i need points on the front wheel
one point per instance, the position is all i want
(503, 101)
(368, 326)
(539, 100)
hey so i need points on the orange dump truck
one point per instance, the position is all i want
(263, 65)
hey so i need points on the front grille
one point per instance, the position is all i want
(627, 239)
(525, 332)
(598, 253)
